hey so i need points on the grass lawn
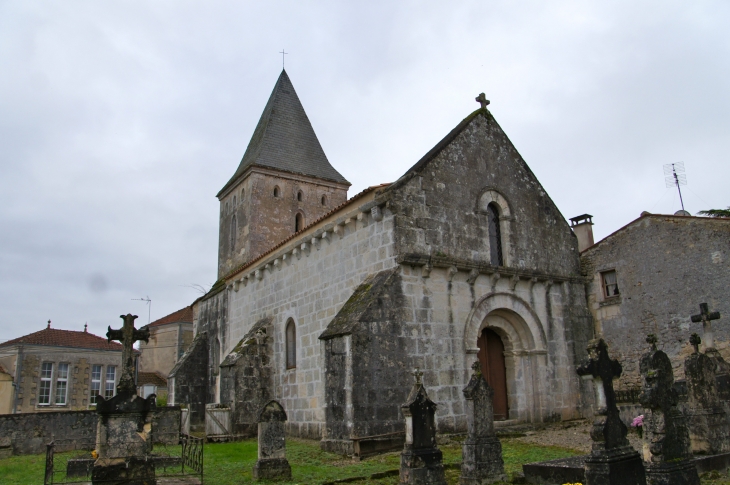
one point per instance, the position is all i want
(231, 463)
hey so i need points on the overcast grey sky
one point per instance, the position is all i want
(120, 121)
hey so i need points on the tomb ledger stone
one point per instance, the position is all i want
(482, 451)
(421, 462)
(272, 463)
(667, 456)
(706, 418)
(124, 429)
(612, 460)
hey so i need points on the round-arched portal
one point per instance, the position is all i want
(504, 323)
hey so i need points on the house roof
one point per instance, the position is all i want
(151, 378)
(184, 315)
(656, 217)
(53, 337)
(285, 140)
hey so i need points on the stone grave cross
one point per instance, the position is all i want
(482, 99)
(706, 318)
(127, 335)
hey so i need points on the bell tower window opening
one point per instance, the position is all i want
(298, 222)
(234, 230)
(495, 235)
(276, 191)
(324, 200)
(299, 196)
(291, 344)
(234, 202)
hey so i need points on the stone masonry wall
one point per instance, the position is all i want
(665, 267)
(309, 285)
(263, 220)
(187, 384)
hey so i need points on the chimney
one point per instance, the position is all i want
(581, 226)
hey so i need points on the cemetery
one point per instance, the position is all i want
(681, 437)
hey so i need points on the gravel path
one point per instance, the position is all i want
(570, 434)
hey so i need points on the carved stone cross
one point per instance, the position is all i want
(418, 375)
(127, 335)
(482, 99)
(706, 318)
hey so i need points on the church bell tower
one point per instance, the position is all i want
(283, 183)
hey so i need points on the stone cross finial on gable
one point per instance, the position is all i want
(695, 340)
(652, 340)
(127, 335)
(482, 99)
(477, 368)
(706, 317)
(418, 375)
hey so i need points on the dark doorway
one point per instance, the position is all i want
(491, 356)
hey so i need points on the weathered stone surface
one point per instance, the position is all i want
(188, 383)
(421, 462)
(709, 432)
(667, 455)
(272, 463)
(612, 460)
(482, 451)
(121, 471)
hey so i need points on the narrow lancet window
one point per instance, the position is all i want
(291, 344)
(298, 222)
(495, 236)
(234, 229)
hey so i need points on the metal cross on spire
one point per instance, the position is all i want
(127, 335)
(706, 317)
(283, 53)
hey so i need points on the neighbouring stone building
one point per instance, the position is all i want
(649, 277)
(6, 391)
(325, 303)
(170, 336)
(60, 370)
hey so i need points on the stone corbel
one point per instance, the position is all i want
(362, 218)
(339, 230)
(531, 284)
(296, 253)
(548, 285)
(305, 248)
(473, 275)
(376, 213)
(259, 274)
(325, 236)
(277, 263)
(315, 242)
(236, 284)
(426, 270)
(245, 279)
(513, 282)
(495, 277)
(229, 287)
(451, 272)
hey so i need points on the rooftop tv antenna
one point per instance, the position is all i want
(149, 306)
(674, 176)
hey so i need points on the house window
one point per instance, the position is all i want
(495, 235)
(298, 222)
(610, 285)
(111, 375)
(61, 384)
(291, 344)
(276, 191)
(44, 393)
(95, 383)
(234, 229)
(299, 196)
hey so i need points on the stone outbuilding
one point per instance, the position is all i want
(60, 370)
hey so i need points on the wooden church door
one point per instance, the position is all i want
(491, 356)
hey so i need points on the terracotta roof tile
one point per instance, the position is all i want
(53, 337)
(151, 378)
(181, 316)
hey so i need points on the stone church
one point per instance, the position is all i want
(327, 304)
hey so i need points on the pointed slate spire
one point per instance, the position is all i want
(285, 140)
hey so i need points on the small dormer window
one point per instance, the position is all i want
(299, 196)
(276, 191)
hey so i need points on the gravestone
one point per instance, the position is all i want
(722, 373)
(612, 460)
(706, 418)
(272, 463)
(421, 460)
(482, 451)
(667, 455)
(124, 429)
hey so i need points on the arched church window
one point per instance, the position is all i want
(243, 192)
(298, 222)
(324, 200)
(234, 202)
(276, 191)
(299, 196)
(234, 229)
(495, 235)
(291, 344)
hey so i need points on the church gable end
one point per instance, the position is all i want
(472, 179)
